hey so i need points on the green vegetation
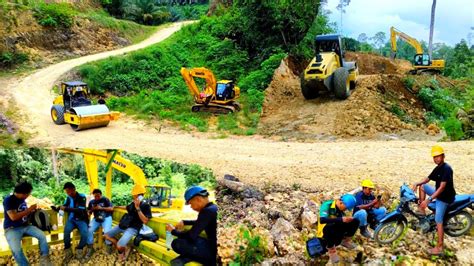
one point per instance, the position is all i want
(241, 44)
(35, 165)
(443, 106)
(10, 59)
(151, 12)
(251, 251)
(54, 14)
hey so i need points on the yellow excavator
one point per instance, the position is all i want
(74, 107)
(216, 96)
(158, 195)
(422, 63)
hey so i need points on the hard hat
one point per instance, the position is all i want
(436, 150)
(349, 201)
(368, 183)
(194, 191)
(138, 189)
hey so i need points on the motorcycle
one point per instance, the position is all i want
(457, 221)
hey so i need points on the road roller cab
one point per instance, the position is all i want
(74, 107)
(328, 70)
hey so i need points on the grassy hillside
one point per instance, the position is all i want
(148, 83)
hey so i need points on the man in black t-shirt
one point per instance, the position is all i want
(102, 209)
(139, 213)
(16, 225)
(444, 193)
(75, 206)
(189, 245)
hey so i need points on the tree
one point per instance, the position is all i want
(433, 9)
(140, 10)
(342, 8)
(379, 40)
(362, 37)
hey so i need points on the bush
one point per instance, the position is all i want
(409, 82)
(10, 59)
(54, 14)
(453, 128)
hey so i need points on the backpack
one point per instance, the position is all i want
(40, 219)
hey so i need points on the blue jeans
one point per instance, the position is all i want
(441, 206)
(14, 236)
(94, 225)
(127, 235)
(361, 215)
(81, 226)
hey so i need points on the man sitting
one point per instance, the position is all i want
(368, 208)
(189, 245)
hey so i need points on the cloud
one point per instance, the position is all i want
(452, 22)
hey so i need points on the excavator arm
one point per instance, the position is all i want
(111, 159)
(410, 40)
(204, 73)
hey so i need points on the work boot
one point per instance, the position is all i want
(333, 257)
(68, 256)
(45, 261)
(79, 254)
(364, 231)
(89, 253)
(347, 243)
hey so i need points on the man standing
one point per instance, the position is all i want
(189, 245)
(16, 225)
(75, 206)
(368, 208)
(102, 209)
(444, 193)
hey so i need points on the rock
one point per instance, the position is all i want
(309, 215)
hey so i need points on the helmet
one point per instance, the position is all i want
(368, 183)
(436, 150)
(138, 189)
(194, 191)
(349, 201)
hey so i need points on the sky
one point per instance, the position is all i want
(453, 21)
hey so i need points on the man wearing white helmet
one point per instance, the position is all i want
(368, 208)
(444, 193)
(189, 245)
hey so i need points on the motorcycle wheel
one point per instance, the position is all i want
(458, 224)
(386, 233)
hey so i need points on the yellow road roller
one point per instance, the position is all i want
(75, 108)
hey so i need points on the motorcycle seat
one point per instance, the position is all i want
(458, 201)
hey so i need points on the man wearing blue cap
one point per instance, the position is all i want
(189, 245)
(335, 228)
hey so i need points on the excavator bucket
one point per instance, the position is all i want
(91, 116)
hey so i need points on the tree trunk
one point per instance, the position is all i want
(55, 165)
(433, 9)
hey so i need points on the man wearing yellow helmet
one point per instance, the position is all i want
(444, 193)
(138, 214)
(368, 208)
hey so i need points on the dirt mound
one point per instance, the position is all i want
(376, 64)
(46, 45)
(380, 106)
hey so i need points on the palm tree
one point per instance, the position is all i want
(430, 46)
(141, 10)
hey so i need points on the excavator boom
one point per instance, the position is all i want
(410, 40)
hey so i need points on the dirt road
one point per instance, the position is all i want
(254, 159)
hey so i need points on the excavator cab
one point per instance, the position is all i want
(75, 94)
(158, 196)
(422, 60)
(225, 90)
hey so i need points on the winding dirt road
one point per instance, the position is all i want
(255, 160)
